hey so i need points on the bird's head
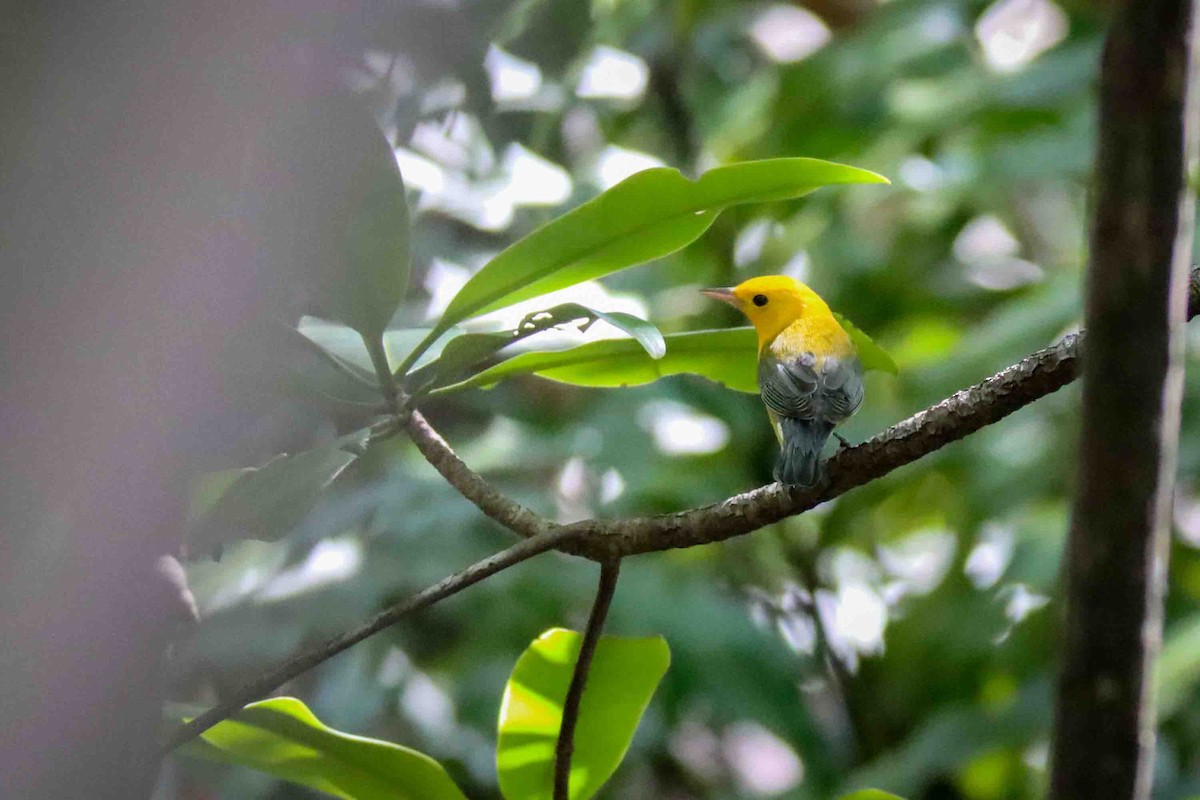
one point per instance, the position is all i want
(771, 303)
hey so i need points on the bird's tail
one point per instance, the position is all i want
(802, 441)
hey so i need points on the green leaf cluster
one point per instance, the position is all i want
(282, 737)
(647, 216)
(363, 362)
(365, 367)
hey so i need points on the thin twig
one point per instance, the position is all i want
(839, 674)
(470, 485)
(263, 685)
(609, 571)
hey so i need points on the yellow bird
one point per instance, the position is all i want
(809, 373)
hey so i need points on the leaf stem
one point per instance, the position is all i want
(383, 371)
(609, 571)
(419, 350)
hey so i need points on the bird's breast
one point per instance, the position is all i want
(819, 337)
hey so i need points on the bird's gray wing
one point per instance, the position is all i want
(788, 388)
(841, 389)
(800, 389)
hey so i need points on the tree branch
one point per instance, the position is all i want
(604, 540)
(265, 684)
(954, 418)
(609, 572)
(510, 514)
(1141, 244)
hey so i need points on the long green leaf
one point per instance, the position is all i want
(643, 332)
(726, 356)
(624, 674)
(648, 215)
(870, 794)
(458, 357)
(312, 372)
(282, 737)
(467, 351)
(377, 256)
(268, 502)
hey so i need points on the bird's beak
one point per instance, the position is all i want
(725, 295)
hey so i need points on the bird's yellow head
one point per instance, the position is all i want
(772, 303)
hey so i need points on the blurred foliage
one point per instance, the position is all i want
(901, 637)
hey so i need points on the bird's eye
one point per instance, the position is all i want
(760, 300)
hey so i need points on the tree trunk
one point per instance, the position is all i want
(1141, 245)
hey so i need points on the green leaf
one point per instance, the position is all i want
(341, 343)
(870, 794)
(872, 355)
(727, 356)
(367, 292)
(282, 737)
(267, 502)
(464, 352)
(327, 369)
(346, 344)
(643, 332)
(623, 677)
(458, 357)
(648, 215)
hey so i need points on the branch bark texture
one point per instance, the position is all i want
(1132, 370)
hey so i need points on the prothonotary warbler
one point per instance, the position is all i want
(809, 373)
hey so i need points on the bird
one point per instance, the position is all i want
(810, 376)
